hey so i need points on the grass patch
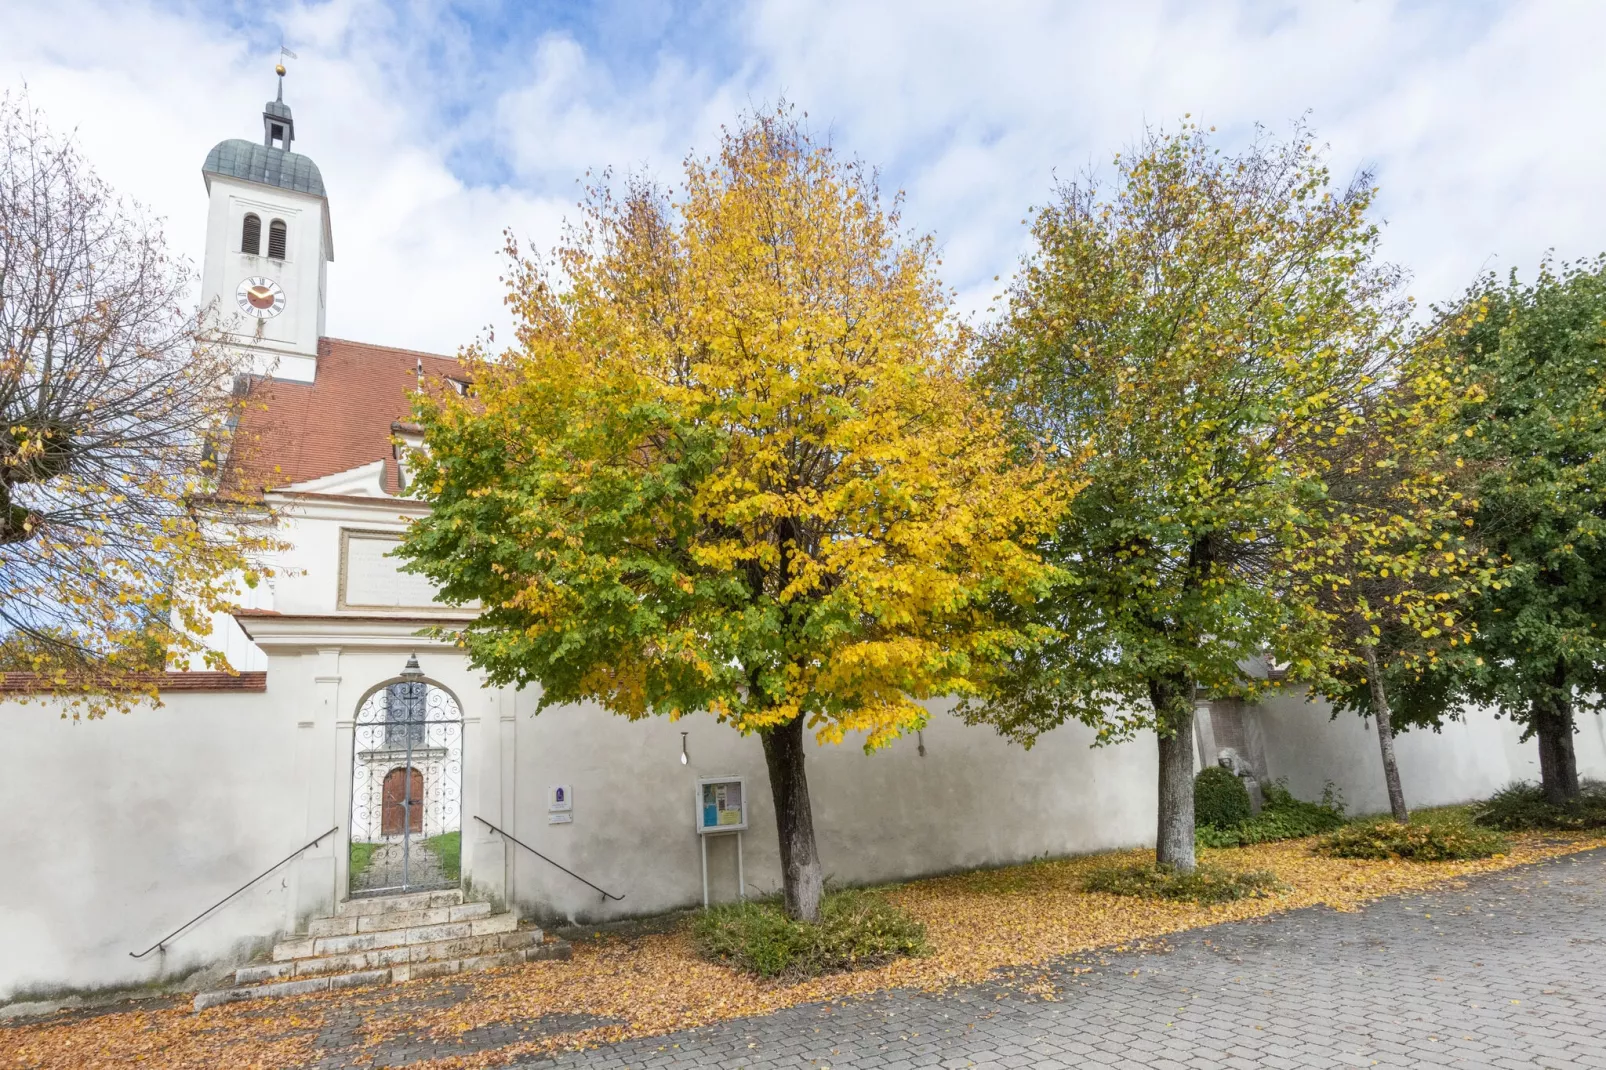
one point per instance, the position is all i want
(857, 930)
(361, 855)
(1440, 837)
(1282, 818)
(448, 849)
(1205, 885)
(1522, 806)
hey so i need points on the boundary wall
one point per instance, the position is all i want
(119, 830)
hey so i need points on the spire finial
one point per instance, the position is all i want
(278, 128)
(278, 68)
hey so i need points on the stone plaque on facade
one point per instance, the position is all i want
(371, 580)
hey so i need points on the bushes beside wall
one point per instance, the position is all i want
(1220, 799)
(857, 930)
(1418, 841)
(1282, 818)
(1522, 806)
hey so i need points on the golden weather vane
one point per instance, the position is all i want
(278, 68)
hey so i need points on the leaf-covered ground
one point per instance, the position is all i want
(618, 987)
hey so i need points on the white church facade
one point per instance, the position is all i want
(346, 730)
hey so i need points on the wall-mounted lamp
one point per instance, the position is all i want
(685, 759)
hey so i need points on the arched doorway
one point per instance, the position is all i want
(406, 788)
(401, 802)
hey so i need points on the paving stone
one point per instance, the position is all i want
(1384, 986)
(1507, 974)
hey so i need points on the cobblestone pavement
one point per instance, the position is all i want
(1507, 972)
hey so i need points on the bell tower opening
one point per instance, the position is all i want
(268, 243)
(278, 127)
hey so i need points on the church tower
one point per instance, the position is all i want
(268, 245)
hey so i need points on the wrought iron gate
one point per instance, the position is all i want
(406, 788)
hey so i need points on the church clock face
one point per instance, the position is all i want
(260, 296)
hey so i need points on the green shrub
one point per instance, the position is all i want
(1206, 884)
(857, 930)
(1523, 806)
(1219, 799)
(755, 936)
(1282, 818)
(1419, 841)
(1210, 836)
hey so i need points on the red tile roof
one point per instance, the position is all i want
(28, 683)
(292, 432)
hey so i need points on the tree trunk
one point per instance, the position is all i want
(802, 881)
(1553, 724)
(1173, 721)
(1385, 737)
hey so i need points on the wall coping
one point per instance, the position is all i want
(32, 683)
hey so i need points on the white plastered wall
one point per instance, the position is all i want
(972, 800)
(1468, 759)
(120, 829)
(123, 828)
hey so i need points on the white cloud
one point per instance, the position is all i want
(1480, 122)
(150, 91)
(569, 118)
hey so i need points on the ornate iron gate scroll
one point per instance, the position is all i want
(406, 788)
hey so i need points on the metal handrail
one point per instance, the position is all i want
(231, 895)
(544, 858)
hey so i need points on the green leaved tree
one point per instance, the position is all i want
(731, 465)
(1538, 353)
(1182, 338)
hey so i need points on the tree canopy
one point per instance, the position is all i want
(1190, 331)
(732, 464)
(1536, 437)
(117, 543)
(1393, 568)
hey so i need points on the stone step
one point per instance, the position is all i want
(351, 924)
(391, 904)
(388, 957)
(557, 949)
(310, 946)
(301, 986)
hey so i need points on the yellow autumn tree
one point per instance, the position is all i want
(732, 464)
(1393, 568)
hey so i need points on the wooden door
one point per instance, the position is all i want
(392, 808)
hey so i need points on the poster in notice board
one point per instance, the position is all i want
(721, 804)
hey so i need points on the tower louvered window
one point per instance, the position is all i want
(251, 235)
(276, 239)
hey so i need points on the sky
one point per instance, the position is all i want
(437, 125)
